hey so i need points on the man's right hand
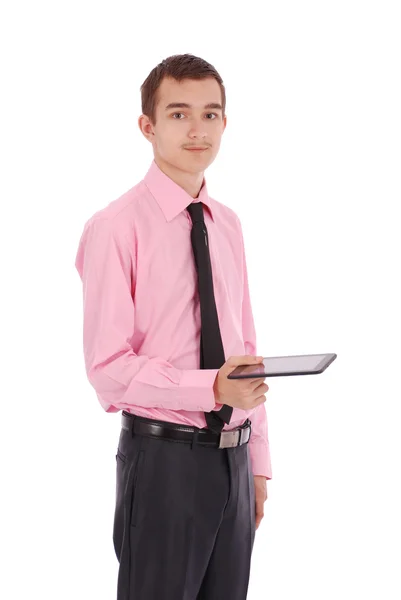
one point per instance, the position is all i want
(239, 393)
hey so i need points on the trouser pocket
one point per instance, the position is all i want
(128, 471)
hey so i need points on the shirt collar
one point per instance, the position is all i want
(172, 198)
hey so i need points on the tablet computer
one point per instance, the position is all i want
(280, 366)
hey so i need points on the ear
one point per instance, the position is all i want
(224, 123)
(146, 127)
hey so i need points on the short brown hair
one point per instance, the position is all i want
(179, 67)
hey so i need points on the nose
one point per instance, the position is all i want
(195, 134)
(197, 131)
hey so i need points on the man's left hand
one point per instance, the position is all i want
(260, 497)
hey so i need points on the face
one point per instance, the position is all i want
(180, 127)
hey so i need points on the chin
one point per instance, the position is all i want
(199, 162)
(190, 164)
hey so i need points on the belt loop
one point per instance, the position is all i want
(195, 437)
(132, 425)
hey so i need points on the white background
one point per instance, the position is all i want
(310, 161)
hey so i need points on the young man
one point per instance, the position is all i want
(166, 292)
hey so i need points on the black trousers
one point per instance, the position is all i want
(184, 523)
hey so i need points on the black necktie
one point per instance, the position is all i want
(211, 346)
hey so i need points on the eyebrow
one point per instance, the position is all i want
(215, 105)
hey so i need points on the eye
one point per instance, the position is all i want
(177, 113)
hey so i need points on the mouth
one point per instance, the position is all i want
(196, 149)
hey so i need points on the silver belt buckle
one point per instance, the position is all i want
(229, 439)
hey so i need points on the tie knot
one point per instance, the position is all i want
(195, 209)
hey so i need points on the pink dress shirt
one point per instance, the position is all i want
(141, 314)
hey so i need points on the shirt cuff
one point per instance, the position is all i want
(260, 459)
(200, 382)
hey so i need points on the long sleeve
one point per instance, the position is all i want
(120, 377)
(259, 443)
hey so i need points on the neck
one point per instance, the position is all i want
(190, 182)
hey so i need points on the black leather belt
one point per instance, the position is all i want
(184, 433)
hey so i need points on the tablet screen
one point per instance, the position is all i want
(282, 365)
(287, 364)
